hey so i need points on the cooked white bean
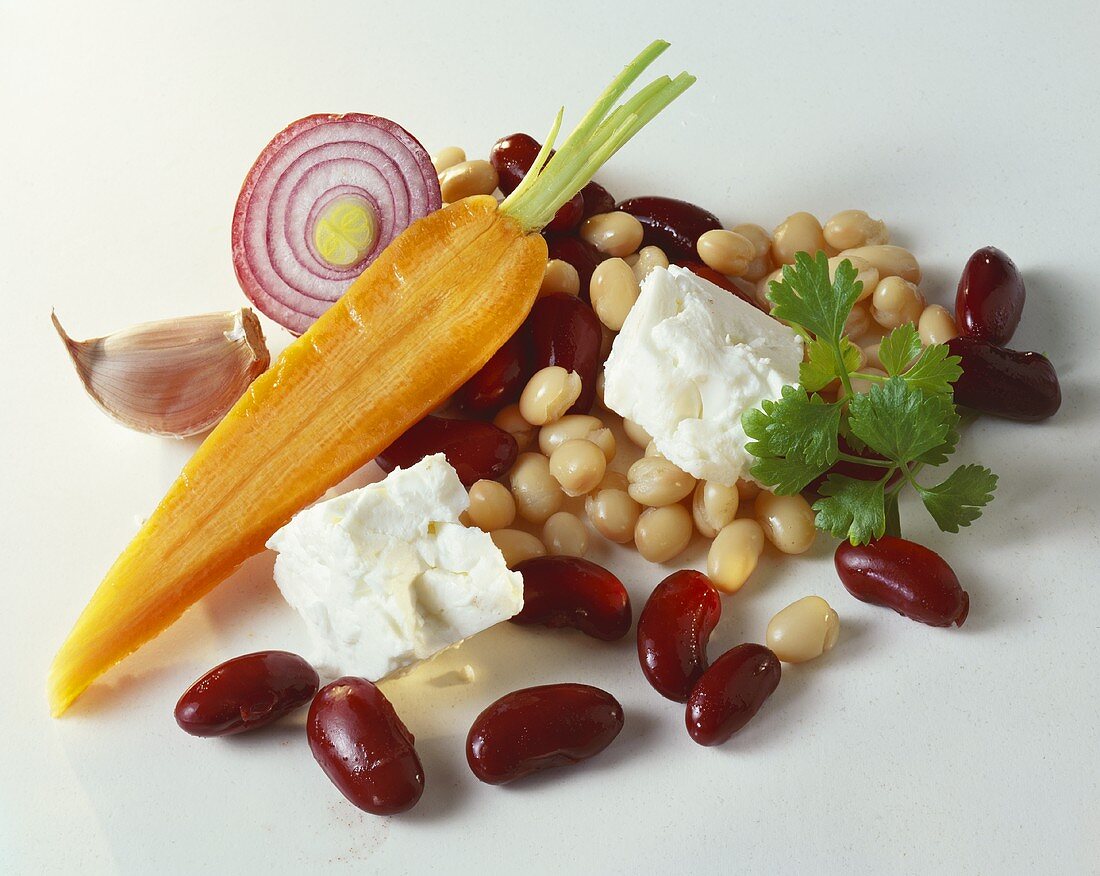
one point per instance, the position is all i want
(803, 630)
(560, 278)
(564, 535)
(799, 232)
(467, 178)
(663, 533)
(713, 506)
(851, 228)
(549, 394)
(656, 482)
(734, 554)
(891, 261)
(491, 506)
(511, 421)
(613, 291)
(788, 522)
(447, 157)
(535, 489)
(517, 545)
(616, 234)
(726, 251)
(578, 465)
(936, 325)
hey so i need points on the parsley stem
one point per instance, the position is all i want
(874, 378)
(842, 369)
(860, 460)
(893, 515)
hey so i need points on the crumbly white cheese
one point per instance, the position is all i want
(690, 359)
(386, 575)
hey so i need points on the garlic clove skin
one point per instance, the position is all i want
(174, 377)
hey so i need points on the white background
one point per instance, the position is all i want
(127, 129)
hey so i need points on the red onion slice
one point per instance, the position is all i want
(361, 169)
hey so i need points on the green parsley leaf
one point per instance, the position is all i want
(797, 424)
(898, 421)
(852, 509)
(899, 348)
(786, 476)
(959, 499)
(806, 296)
(935, 370)
(820, 369)
(938, 455)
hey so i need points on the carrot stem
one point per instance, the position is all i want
(604, 130)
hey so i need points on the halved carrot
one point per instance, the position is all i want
(423, 318)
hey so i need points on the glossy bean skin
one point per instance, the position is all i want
(500, 380)
(512, 157)
(579, 253)
(538, 728)
(671, 224)
(673, 631)
(476, 450)
(719, 280)
(905, 576)
(364, 748)
(1005, 383)
(563, 591)
(990, 298)
(731, 692)
(245, 693)
(597, 200)
(563, 330)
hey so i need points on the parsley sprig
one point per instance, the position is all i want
(907, 420)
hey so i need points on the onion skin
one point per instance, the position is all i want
(312, 163)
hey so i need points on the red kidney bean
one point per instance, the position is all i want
(597, 200)
(671, 224)
(673, 631)
(730, 692)
(565, 331)
(573, 592)
(579, 253)
(721, 281)
(500, 380)
(364, 748)
(476, 450)
(1005, 383)
(905, 576)
(512, 157)
(990, 298)
(538, 728)
(245, 693)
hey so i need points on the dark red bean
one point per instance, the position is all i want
(512, 157)
(364, 748)
(673, 631)
(721, 281)
(476, 450)
(990, 298)
(572, 592)
(538, 728)
(730, 692)
(500, 381)
(597, 200)
(905, 576)
(1005, 383)
(671, 224)
(245, 693)
(563, 330)
(579, 253)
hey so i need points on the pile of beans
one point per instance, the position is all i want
(525, 442)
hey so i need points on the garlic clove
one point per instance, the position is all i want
(174, 377)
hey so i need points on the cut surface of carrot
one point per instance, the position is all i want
(422, 319)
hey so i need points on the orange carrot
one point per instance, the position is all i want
(423, 318)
